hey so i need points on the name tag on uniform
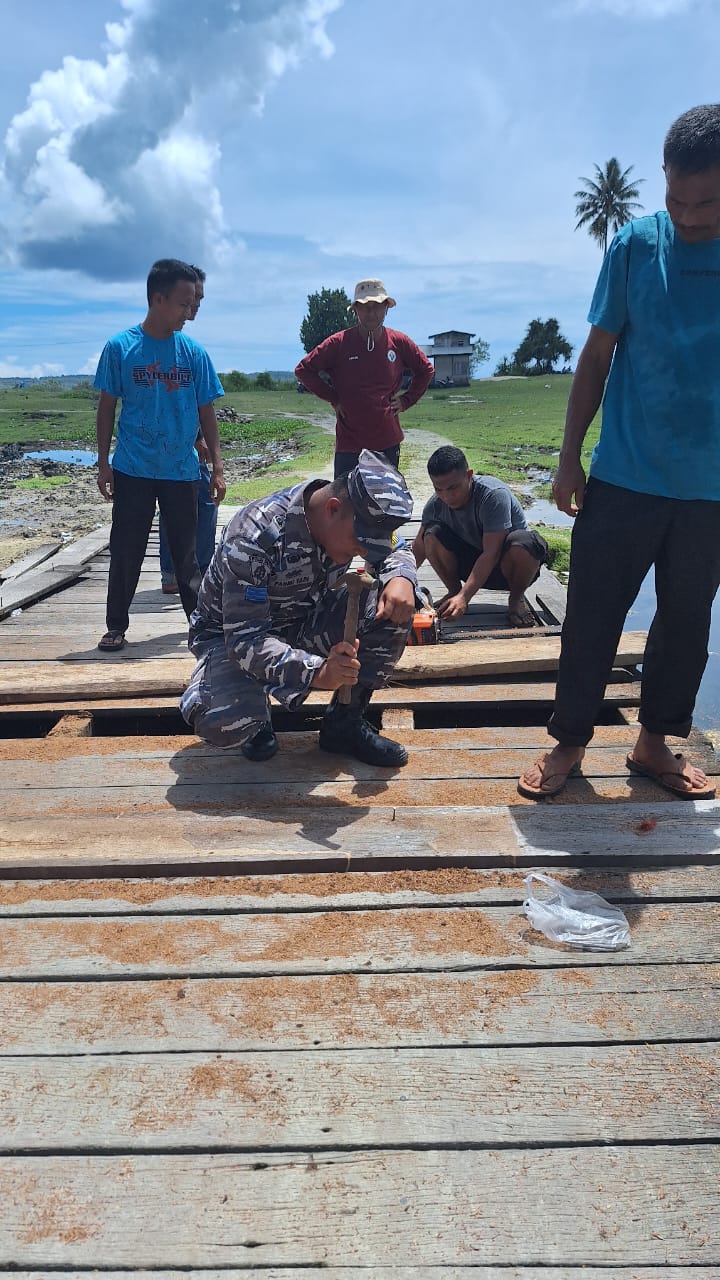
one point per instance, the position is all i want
(256, 593)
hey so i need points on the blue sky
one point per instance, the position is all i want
(287, 145)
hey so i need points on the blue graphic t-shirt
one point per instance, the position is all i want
(162, 382)
(661, 411)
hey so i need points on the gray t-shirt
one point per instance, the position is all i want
(492, 509)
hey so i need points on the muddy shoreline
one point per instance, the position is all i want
(67, 510)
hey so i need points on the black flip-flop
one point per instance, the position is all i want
(112, 642)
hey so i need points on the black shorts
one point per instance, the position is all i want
(467, 555)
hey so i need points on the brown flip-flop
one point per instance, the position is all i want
(544, 791)
(664, 777)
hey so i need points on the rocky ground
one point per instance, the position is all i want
(68, 510)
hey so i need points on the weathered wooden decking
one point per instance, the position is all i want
(289, 1019)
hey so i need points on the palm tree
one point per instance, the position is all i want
(608, 202)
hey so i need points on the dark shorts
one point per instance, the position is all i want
(466, 554)
(346, 461)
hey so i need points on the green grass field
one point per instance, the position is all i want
(511, 429)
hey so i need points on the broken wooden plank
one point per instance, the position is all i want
(85, 548)
(74, 724)
(18, 593)
(550, 594)
(39, 553)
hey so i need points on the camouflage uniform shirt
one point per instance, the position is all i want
(267, 578)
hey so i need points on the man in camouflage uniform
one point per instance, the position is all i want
(270, 619)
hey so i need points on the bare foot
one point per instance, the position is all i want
(519, 611)
(548, 775)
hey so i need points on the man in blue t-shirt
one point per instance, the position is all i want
(653, 496)
(207, 509)
(166, 383)
(474, 534)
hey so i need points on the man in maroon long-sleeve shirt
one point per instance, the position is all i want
(366, 365)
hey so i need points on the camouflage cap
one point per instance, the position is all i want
(381, 501)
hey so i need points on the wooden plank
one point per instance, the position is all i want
(550, 594)
(347, 797)
(343, 889)
(397, 718)
(118, 673)
(51, 833)
(621, 693)
(85, 548)
(439, 1272)
(347, 1098)
(653, 1205)
(471, 738)
(75, 724)
(21, 592)
(533, 651)
(134, 762)
(398, 939)
(606, 1004)
(39, 553)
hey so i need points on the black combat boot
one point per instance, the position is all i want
(263, 746)
(345, 731)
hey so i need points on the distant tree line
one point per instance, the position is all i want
(235, 381)
(540, 350)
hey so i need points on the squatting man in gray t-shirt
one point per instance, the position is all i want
(474, 534)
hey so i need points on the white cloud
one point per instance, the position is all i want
(636, 8)
(90, 365)
(11, 369)
(105, 169)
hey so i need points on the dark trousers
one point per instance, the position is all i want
(207, 514)
(133, 512)
(346, 461)
(618, 536)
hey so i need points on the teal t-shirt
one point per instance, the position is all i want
(161, 382)
(661, 410)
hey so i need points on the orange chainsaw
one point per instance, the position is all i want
(426, 623)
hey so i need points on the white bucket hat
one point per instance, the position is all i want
(372, 291)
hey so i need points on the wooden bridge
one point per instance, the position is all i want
(290, 1020)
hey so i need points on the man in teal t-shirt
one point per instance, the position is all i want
(653, 495)
(166, 383)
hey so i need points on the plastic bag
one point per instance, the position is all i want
(576, 917)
